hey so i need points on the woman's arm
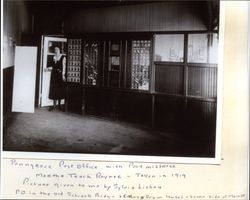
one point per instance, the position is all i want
(48, 69)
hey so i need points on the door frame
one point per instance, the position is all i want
(41, 65)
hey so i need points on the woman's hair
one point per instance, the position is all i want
(57, 46)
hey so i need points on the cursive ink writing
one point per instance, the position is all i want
(16, 163)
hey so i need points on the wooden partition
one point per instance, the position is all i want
(180, 96)
(202, 81)
(118, 104)
(169, 79)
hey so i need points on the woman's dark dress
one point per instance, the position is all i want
(57, 86)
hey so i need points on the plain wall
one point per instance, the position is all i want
(16, 21)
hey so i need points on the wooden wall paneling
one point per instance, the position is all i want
(200, 126)
(142, 20)
(129, 64)
(99, 102)
(202, 82)
(153, 111)
(118, 104)
(201, 120)
(122, 57)
(162, 21)
(103, 62)
(127, 18)
(174, 16)
(134, 107)
(169, 112)
(123, 19)
(152, 81)
(114, 15)
(108, 62)
(169, 79)
(123, 64)
(195, 115)
(162, 111)
(152, 66)
(74, 98)
(154, 16)
(114, 79)
(185, 77)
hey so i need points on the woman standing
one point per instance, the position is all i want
(57, 90)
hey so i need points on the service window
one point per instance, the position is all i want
(169, 48)
(203, 48)
(169, 60)
(202, 78)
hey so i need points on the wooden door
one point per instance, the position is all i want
(47, 57)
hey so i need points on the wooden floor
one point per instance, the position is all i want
(58, 131)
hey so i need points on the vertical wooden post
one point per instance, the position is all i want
(153, 111)
(67, 97)
(152, 82)
(109, 46)
(185, 78)
(125, 63)
(103, 63)
(82, 80)
(120, 68)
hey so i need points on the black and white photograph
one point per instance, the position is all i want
(115, 77)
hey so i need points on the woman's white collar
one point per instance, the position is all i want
(57, 58)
